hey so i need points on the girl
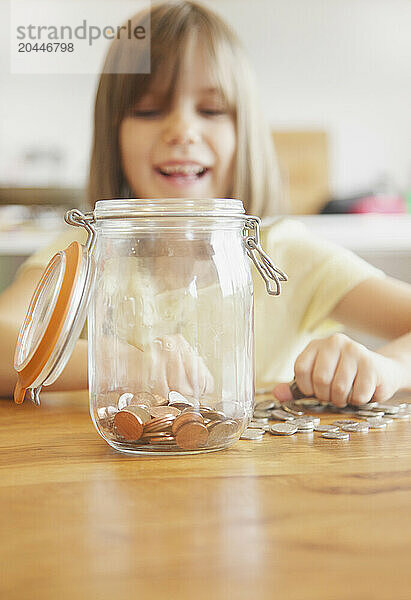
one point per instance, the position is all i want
(192, 128)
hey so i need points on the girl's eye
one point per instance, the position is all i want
(146, 114)
(213, 112)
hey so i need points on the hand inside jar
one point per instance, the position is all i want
(167, 363)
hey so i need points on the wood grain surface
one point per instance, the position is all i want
(297, 517)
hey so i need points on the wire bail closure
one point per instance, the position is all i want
(268, 271)
(79, 219)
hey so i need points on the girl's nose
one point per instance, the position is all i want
(181, 130)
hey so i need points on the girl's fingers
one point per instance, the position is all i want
(303, 369)
(364, 384)
(157, 372)
(282, 392)
(176, 376)
(342, 383)
(323, 373)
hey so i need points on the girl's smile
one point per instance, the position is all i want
(182, 173)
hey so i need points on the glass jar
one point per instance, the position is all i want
(167, 287)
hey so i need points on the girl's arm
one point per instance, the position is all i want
(337, 369)
(381, 307)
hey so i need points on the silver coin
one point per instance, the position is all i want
(177, 398)
(292, 408)
(369, 406)
(342, 422)
(307, 402)
(373, 419)
(282, 415)
(389, 409)
(304, 423)
(370, 413)
(260, 420)
(267, 405)
(360, 427)
(265, 427)
(401, 416)
(325, 428)
(387, 420)
(102, 412)
(261, 414)
(283, 428)
(252, 434)
(376, 423)
(124, 400)
(335, 435)
(305, 429)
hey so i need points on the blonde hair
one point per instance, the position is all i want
(173, 25)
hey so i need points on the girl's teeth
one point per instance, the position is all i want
(181, 170)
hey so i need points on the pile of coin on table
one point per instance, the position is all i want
(291, 418)
(144, 418)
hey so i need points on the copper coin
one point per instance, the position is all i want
(162, 411)
(186, 417)
(141, 412)
(128, 425)
(155, 434)
(159, 423)
(163, 441)
(191, 436)
(182, 406)
(211, 414)
(164, 428)
(145, 397)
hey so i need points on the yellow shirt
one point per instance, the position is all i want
(319, 275)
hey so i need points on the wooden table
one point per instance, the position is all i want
(289, 518)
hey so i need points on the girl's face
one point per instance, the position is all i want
(185, 149)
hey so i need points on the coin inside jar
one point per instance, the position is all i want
(124, 400)
(141, 412)
(162, 411)
(192, 436)
(159, 424)
(219, 431)
(184, 418)
(145, 397)
(128, 425)
(174, 396)
(159, 400)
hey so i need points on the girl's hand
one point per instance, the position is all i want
(339, 370)
(167, 363)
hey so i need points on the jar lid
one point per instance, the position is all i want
(120, 208)
(54, 320)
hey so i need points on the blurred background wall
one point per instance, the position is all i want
(342, 66)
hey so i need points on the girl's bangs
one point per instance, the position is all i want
(166, 68)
